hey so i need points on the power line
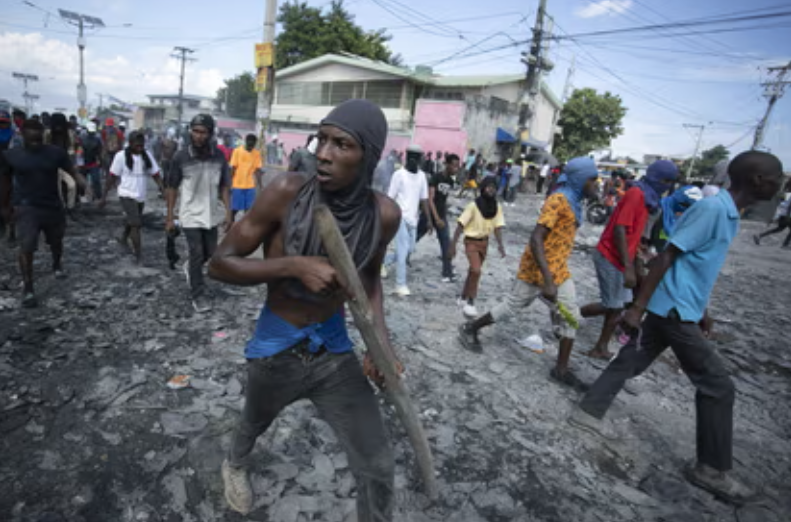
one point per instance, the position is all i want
(390, 10)
(674, 25)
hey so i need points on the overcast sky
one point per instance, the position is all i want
(665, 80)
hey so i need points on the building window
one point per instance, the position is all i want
(302, 93)
(386, 94)
(342, 91)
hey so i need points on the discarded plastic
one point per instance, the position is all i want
(533, 343)
(179, 382)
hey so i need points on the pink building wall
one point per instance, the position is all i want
(439, 125)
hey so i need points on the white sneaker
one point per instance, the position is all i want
(238, 492)
(461, 303)
(470, 311)
(383, 272)
(403, 291)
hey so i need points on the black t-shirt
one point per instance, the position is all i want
(442, 184)
(35, 175)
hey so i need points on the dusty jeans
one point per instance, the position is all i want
(336, 386)
(202, 243)
(715, 391)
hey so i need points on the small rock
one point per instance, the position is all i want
(497, 367)
(340, 461)
(284, 471)
(478, 376)
(233, 387)
(323, 466)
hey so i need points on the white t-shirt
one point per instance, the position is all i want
(544, 171)
(408, 189)
(134, 183)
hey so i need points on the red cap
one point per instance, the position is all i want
(109, 122)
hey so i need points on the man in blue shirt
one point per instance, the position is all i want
(674, 297)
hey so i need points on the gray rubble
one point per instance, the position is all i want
(89, 430)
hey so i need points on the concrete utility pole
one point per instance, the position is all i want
(28, 97)
(81, 21)
(181, 54)
(264, 109)
(700, 128)
(774, 91)
(536, 63)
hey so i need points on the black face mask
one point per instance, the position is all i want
(413, 160)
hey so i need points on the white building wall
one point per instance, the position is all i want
(336, 72)
(397, 119)
(481, 125)
(541, 126)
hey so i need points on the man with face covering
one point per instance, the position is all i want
(544, 270)
(199, 176)
(300, 348)
(614, 258)
(409, 188)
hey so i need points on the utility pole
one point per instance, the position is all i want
(81, 21)
(181, 54)
(536, 63)
(774, 91)
(566, 94)
(264, 110)
(700, 128)
(28, 97)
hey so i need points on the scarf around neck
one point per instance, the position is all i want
(576, 173)
(652, 183)
(487, 205)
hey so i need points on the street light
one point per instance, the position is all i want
(81, 21)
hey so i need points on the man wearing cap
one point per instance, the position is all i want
(33, 172)
(198, 177)
(409, 188)
(301, 348)
(614, 258)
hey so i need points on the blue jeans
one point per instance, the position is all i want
(94, 175)
(406, 238)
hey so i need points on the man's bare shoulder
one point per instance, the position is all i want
(390, 213)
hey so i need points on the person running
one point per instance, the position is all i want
(91, 146)
(438, 191)
(130, 171)
(544, 269)
(481, 217)
(246, 165)
(409, 188)
(30, 181)
(614, 257)
(199, 176)
(301, 348)
(783, 219)
(670, 310)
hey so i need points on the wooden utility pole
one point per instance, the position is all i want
(264, 109)
(181, 54)
(774, 91)
(536, 63)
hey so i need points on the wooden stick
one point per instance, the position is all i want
(385, 362)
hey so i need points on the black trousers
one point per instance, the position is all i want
(715, 390)
(201, 242)
(336, 386)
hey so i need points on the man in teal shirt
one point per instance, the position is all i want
(675, 295)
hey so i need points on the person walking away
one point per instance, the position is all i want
(301, 348)
(514, 181)
(481, 217)
(409, 189)
(30, 182)
(544, 270)
(92, 161)
(130, 171)
(783, 219)
(439, 189)
(473, 175)
(199, 176)
(670, 311)
(614, 257)
(428, 165)
(543, 174)
(246, 165)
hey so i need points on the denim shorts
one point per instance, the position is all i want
(614, 295)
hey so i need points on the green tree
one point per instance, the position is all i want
(239, 96)
(309, 32)
(589, 121)
(704, 165)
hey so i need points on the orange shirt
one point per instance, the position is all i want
(246, 163)
(558, 217)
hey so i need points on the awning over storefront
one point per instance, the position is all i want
(503, 136)
(531, 142)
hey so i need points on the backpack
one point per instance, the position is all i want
(91, 149)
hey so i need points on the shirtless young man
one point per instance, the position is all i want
(300, 348)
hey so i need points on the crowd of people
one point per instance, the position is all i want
(657, 261)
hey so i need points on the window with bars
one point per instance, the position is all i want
(386, 94)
